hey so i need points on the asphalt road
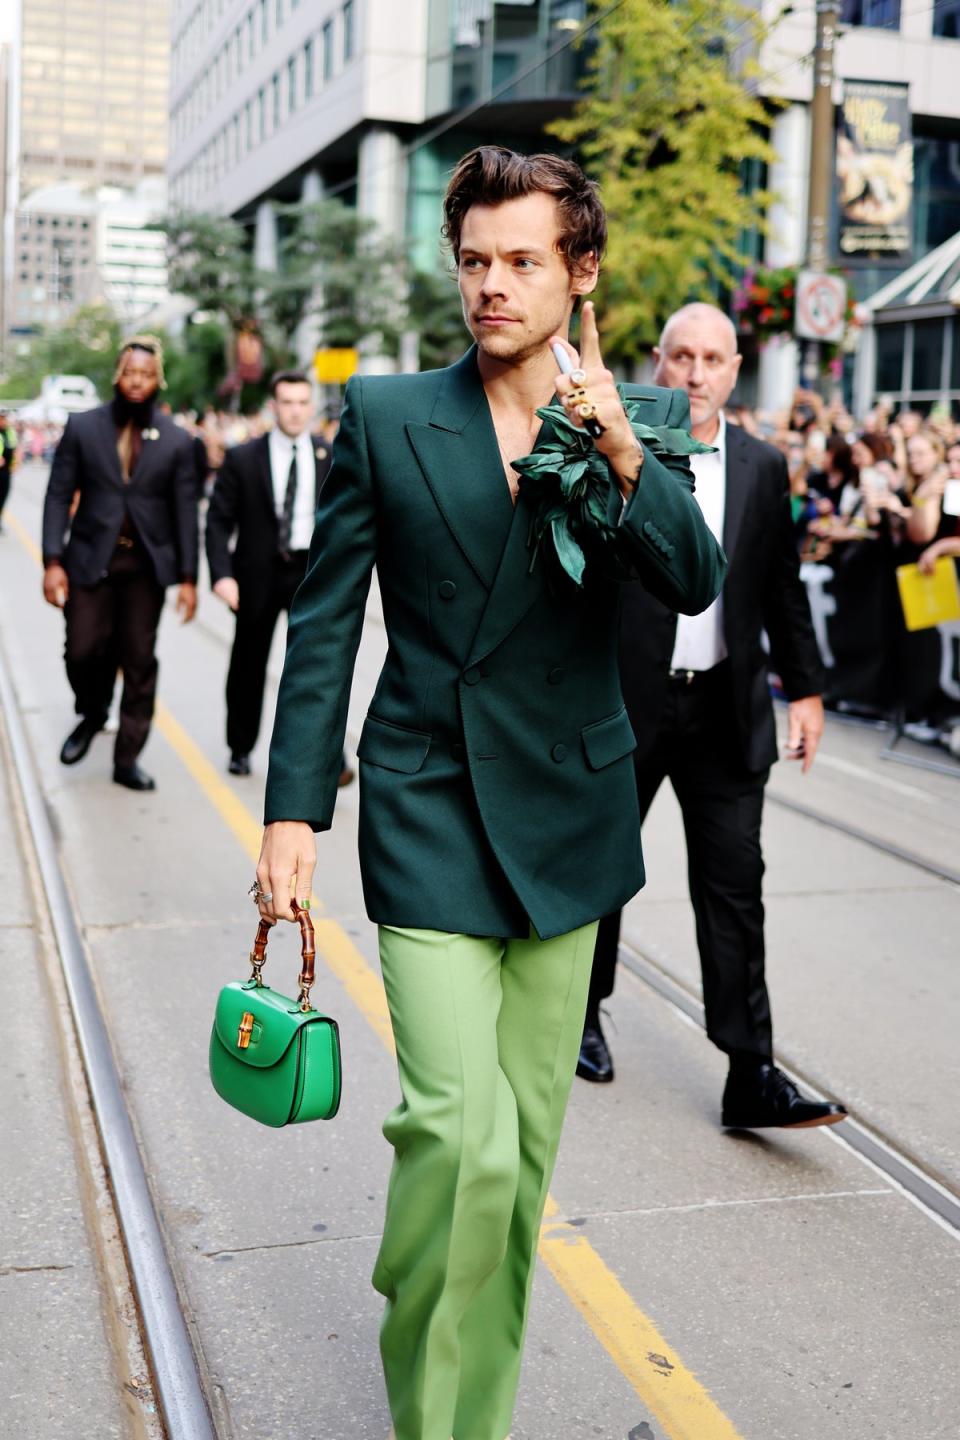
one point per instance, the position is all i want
(695, 1285)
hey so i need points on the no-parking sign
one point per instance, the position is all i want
(821, 312)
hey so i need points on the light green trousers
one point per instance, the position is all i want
(487, 1034)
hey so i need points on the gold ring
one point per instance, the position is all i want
(579, 377)
(573, 397)
(587, 411)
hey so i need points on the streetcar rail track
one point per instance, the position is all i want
(167, 1342)
(865, 837)
(907, 1171)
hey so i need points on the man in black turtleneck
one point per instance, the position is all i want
(132, 532)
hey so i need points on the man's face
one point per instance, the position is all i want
(699, 355)
(514, 283)
(139, 376)
(293, 407)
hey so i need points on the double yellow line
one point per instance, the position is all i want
(671, 1393)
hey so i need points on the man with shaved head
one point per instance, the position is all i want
(697, 693)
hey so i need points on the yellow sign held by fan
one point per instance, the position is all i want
(929, 600)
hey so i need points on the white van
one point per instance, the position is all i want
(60, 396)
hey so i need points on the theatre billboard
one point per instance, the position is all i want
(875, 173)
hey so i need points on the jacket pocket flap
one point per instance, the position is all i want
(608, 740)
(392, 746)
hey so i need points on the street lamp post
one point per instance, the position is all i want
(821, 161)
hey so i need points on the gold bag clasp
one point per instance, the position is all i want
(245, 1030)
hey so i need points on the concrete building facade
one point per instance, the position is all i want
(883, 40)
(277, 100)
(87, 163)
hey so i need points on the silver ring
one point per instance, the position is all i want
(579, 377)
(259, 894)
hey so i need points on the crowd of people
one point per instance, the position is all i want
(869, 497)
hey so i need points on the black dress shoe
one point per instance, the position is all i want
(133, 777)
(765, 1097)
(239, 764)
(595, 1062)
(78, 742)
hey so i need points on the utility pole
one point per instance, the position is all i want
(821, 162)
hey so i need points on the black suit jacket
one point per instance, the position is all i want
(762, 591)
(242, 506)
(160, 497)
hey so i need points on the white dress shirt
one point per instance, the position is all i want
(305, 504)
(700, 642)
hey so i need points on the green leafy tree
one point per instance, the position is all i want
(86, 344)
(435, 312)
(194, 366)
(208, 259)
(333, 266)
(668, 122)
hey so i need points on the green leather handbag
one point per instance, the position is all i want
(276, 1059)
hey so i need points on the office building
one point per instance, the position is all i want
(274, 100)
(89, 157)
(883, 41)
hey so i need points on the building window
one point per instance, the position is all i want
(946, 21)
(279, 13)
(264, 23)
(250, 39)
(890, 343)
(308, 70)
(291, 84)
(879, 14)
(248, 123)
(327, 42)
(276, 102)
(928, 342)
(348, 31)
(261, 114)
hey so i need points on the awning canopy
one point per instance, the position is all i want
(932, 282)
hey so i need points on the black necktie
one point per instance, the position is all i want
(285, 526)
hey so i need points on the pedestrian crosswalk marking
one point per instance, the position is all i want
(671, 1392)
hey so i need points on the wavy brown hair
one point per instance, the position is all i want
(492, 174)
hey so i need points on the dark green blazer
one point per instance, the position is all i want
(496, 786)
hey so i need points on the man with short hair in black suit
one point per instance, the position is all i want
(133, 533)
(265, 498)
(697, 693)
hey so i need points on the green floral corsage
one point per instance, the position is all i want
(569, 482)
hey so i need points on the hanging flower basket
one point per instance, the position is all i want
(764, 305)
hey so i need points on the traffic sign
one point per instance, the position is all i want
(821, 309)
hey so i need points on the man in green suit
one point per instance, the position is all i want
(498, 809)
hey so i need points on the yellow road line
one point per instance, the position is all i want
(671, 1392)
(25, 538)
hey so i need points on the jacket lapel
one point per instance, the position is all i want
(265, 475)
(460, 459)
(111, 456)
(739, 479)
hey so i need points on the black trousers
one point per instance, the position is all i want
(4, 485)
(722, 805)
(112, 625)
(256, 621)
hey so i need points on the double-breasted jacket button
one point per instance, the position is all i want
(648, 527)
(559, 753)
(446, 589)
(471, 675)
(554, 676)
